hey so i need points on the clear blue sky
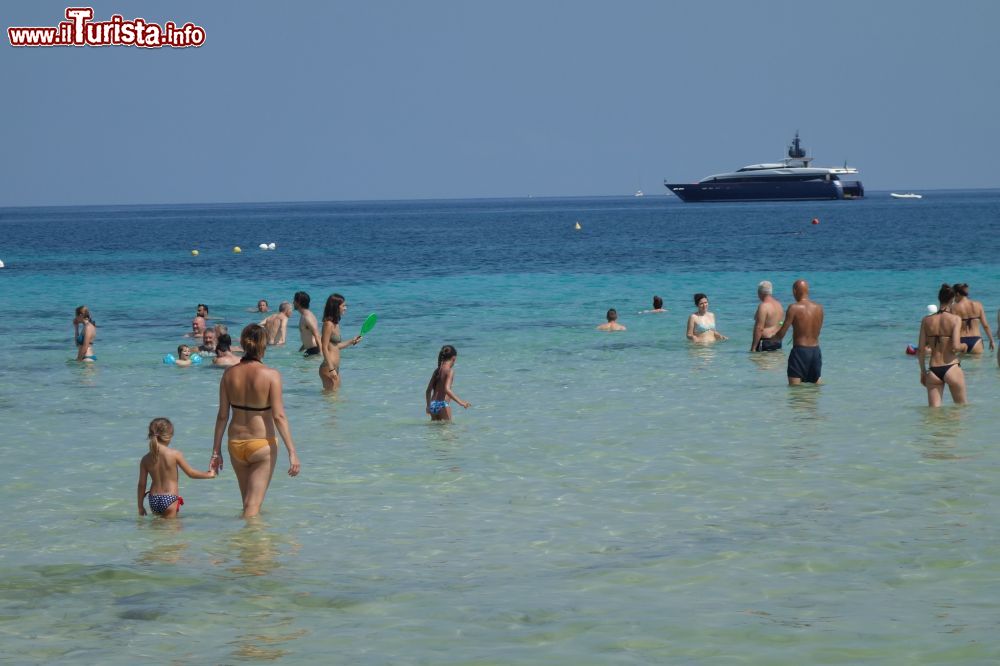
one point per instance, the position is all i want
(395, 100)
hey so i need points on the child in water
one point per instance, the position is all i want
(183, 356)
(161, 463)
(439, 387)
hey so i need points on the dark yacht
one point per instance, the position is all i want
(792, 179)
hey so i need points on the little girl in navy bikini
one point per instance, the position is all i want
(161, 463)
(439, 387)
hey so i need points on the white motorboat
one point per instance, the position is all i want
(906, 195)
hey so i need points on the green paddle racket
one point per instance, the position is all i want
(369, 324)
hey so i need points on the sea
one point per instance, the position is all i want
(608, 498)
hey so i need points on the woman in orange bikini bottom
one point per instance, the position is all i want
(242, 449)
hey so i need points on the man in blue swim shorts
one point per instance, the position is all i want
(805, 318)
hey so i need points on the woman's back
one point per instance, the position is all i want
(969, 311)
(941, 336)
(247, 385)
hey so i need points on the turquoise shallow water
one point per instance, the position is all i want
(608, 499)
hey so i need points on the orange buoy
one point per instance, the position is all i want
(815, 220)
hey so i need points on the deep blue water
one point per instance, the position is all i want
(355, 242)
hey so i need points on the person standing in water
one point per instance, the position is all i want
(767, 320)
(308, 329)
(972, 315)
(701, 323)
(276, 325)
(161, 464)
(252, 392)
(84, 332)
(805, 318)
(941, 333)
(439, 390)
(331, 342)
(224, 357)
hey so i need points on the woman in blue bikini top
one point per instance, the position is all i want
(701, 323)
(84, 332)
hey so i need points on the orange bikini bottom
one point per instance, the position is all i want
(242, 449)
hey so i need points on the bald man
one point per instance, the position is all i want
(805, 318)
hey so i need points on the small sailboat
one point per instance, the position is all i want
(639, 193)
(906, 195)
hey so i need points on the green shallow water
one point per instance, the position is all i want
(622, 499)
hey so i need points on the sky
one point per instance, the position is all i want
(337, 100)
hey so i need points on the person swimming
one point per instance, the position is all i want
(657, 307)
(439, 387)
(161, 465)
(612, 322)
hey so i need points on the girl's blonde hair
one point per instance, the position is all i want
(161, 431)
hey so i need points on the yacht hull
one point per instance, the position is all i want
(810, 190)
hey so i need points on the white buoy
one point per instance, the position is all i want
(932, 309)
(1, 264)
(271, 246)
(263, 246)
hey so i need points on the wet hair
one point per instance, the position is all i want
(302, 299)
(161, 431)
(181, 348)
(612, 314)
(446, 354)
(961, 288)
(224, 343)
(657, 302)
(202, 305)
(253, 339)
(84, 311)
(765, 288)
(698, 297)
(264, 301)
(285, 307)
(331, 312)
(220, 329)
(946, 294)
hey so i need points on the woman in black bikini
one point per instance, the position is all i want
(972, 315)
(940, 333)
(331, 342)
(252, 391)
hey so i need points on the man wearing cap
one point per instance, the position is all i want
(767, 321)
